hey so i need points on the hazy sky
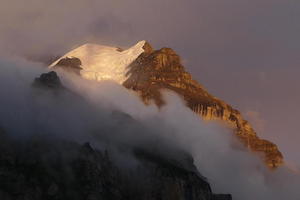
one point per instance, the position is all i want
(244, 51)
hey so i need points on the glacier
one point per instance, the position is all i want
(104, 62)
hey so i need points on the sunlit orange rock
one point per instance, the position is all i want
(155, 70)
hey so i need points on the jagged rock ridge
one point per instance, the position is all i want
(155, 70)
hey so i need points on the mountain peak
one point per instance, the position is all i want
(147, 47)
(148, 71)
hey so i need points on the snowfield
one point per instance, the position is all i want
(104, 62)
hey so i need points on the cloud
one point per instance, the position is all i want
(106, 114)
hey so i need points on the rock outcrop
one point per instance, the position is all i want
(48, 80)
(155, 70)
(70, 65)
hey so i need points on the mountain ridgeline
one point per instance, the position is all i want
(56, 169)
(155, 70)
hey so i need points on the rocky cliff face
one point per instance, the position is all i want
(155, 70)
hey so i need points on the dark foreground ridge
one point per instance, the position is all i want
(56, 169)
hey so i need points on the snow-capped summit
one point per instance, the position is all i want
(104, 62)
(152, 71)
